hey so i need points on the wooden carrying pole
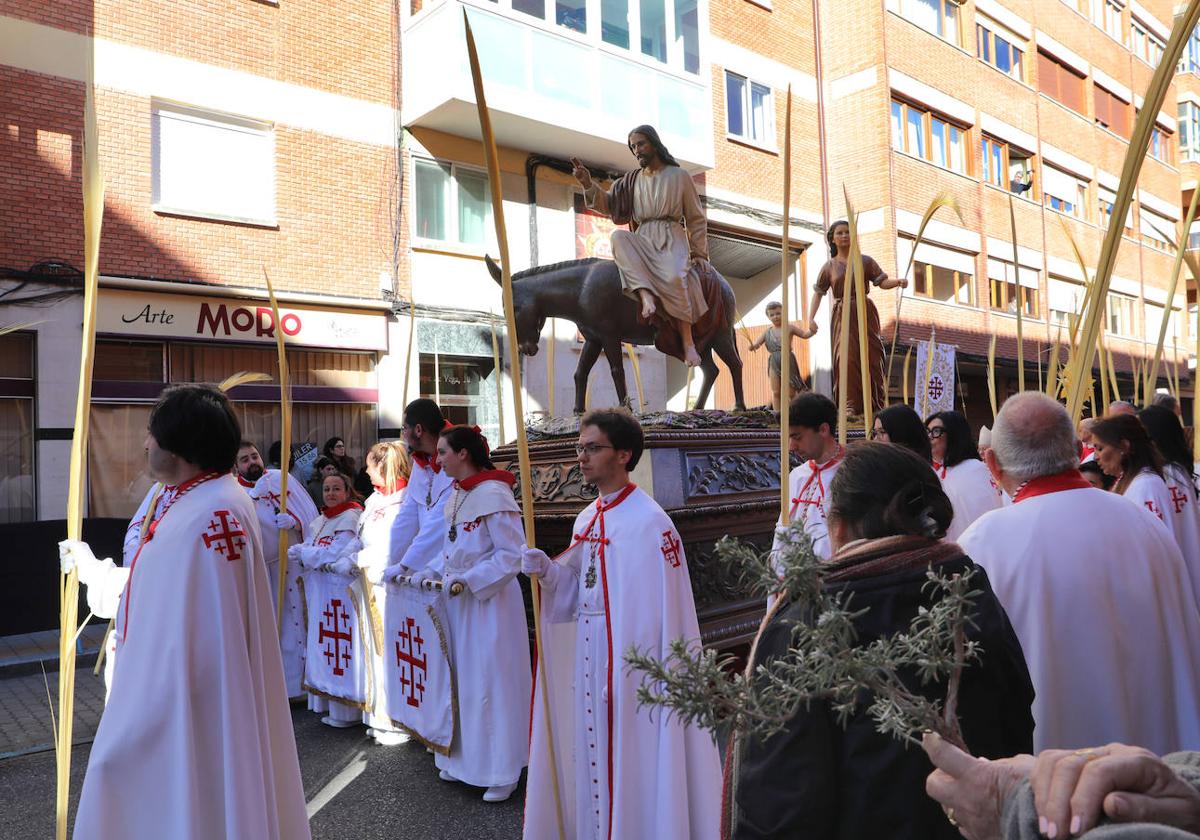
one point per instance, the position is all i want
(285, 447)
(493, 169)
(68, 613)
(785, 328)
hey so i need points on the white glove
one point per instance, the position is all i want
(72, 553)
(341, 566)
(534, 561)
(393, 573)
(294, 552)
(285, 522)
(310, 556)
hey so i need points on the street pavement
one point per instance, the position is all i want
(355, 789)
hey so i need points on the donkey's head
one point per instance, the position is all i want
(526, 311)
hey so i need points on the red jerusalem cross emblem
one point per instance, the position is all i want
(337, 658)
(412, 661)
(227, 535)
(670, 548)
(1180, 500)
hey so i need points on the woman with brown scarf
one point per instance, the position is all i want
(821, 780)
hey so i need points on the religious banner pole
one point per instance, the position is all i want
(928, 371)
(68, 612)
(904, 384)
(493, 169)
(1180, 248)
(285, 446)
(785, 327)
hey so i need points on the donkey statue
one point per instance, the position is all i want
(588, 292)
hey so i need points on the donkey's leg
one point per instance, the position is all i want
(616, 364)
(587, 359)
(726, 347)
(709, 369)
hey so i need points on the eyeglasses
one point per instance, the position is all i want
(937, 432)
(879, 434)
(591, 449)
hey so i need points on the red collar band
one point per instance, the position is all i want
(399, 485)
(1071, 479)
(349, 504)
(487, 475)
(620, 497)
(244, 482)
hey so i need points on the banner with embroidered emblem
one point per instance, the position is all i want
(419, 684)
(936, 392)
(337, 663)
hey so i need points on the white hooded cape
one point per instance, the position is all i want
(662, 780)
(197, 740)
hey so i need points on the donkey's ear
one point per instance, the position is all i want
(494, 270)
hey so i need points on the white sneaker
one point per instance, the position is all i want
(340, 724)
(445, 776)
(390, 739)
(499, 793)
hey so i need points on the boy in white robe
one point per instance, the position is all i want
(489, 637)
(196, 623)
(1103, 611)
(623, 771)
(812, 427)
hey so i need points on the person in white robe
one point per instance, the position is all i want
(1102, 610)
(417, 530)
(1125, 452)
(266, 496)
(388, 466)
(249, 466)
(660, 259)
(489, 637)
(812, 429)
(623, 771)
(196, 624)
(1183, 490)
(329, 536)
(956, 460)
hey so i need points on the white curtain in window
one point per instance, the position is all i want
(934, 255)
(1001, 270)
(1060, 184)
(760, 100)
(924, 13)
(1063, 295)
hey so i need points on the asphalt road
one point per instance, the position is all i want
(355, 790)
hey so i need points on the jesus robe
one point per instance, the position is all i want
(489, 637)
(266, 496)
(624, 771)
(1105, 615)
(657, 254)
(972, 493)
(197, 742)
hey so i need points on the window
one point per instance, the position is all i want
(1162, 146)
(464, 386)
(1189, 130)
(1107, 198)
(999, 48)
(1144, 44)
(1064, 192)
(1007, 167)
(1189, 62)
(212, 165)
(614, 22)
(1060, 82)
(572, 14)
(654, 28)
(1107, 15)
(1157, 230)
(1064, 299)
(749, 110)
(1121, 309)
(922, 134)
(1111, 112)
(941, 17)
(1154, 318)
(687, 33)
(1004, 290)
(945, 284)
(452, 204)
(17, 492)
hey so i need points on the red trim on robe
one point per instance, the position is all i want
(399, 485)
(244, 482)
(1071, 479)
(487, 475)
(816, 473)
(331, 512)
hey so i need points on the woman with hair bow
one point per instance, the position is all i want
(489, 636)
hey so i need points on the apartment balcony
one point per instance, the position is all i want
(561, 78)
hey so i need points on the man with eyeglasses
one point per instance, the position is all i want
(623, 583)
(812, 423)
(420, 523)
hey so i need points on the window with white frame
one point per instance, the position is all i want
(749, 110)
(1064, 298)
(1144, 44)
(1189, 62)
(1122, 310)
(1007, 166)
(1107, 15)
(940, 274)
(924, 134)
(1162, 145)
(1156, 229)
(1189, 131)
(1064, 192)
(999, 47)
(452, 203)
(1107, 199)
(212, 165)
(1009, 286)
(941, 17)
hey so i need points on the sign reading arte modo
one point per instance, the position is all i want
(153, 315)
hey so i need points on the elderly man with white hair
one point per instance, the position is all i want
(1096, 589)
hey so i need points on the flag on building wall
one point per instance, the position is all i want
(337, 659)
(416, 646)
(935, 392)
